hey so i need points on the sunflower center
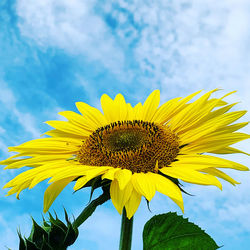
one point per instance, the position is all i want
(133, 145)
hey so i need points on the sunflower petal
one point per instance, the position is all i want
(68, 128)
(150, 105)
(120, 197)
(133, 203)
(121, 108)
(123, 176)
(88, 176)
(144, 185)
(168, 188)
(110, 174)
(197, 162)
(53, 191)
(220, 174)
(191, 176)
(76, 119)
(228, 150)
(93, 116)
(177, 107)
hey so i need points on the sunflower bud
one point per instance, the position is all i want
(52, 234)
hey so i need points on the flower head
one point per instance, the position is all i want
(139, 150)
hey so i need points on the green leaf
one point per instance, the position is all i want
(173, 232)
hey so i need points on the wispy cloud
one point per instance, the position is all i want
(181, 46)
(9, 236)
(72, 26)
(26, 120)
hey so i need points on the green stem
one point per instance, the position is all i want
(126, 232)
(89, 210)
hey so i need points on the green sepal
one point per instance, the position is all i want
(45, 245)
(52, 235)
(22, 245)
(57, 222)
(71, 235)
(37, 234)
(94, 184)
(30, 245)
(66, 216)
(56, 236)
(173, 232)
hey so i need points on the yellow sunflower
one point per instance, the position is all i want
(140, 150)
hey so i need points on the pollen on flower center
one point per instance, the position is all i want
(134, 145)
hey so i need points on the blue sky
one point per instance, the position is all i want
(55, 53)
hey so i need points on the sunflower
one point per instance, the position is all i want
(139, 150)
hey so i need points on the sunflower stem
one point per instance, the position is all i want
(89, 210)
(126, 232)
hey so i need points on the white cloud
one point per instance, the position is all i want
(176, 46)
(9, 237)
(105, 224)
(181, 46)
(2, 130)
(8, 101)
(72, 26)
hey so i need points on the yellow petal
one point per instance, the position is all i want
(123, 176)
(211, 126)
(228, 150)
(197, 113)
(165, 110)
(53, 191)
(207, 161)
(89, 176)
(110, 174)
(168, 188)
(120, 197)
(220, 174)
(144, 185)
(92, 116)
(79, 171)
(68, 128)
(214, 143)
(133, 203)
(231, 128)
(120, 108)
(17, 189)
(192, 112)
(130, 112)
(77, 120)
(36, 161)
(138, 112)
(59, 133)
(39, 173)
(150, 105)
(43, 175)
(191, 176)
(204, 161)
(177, 107)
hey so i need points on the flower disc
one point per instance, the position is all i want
(133, 145)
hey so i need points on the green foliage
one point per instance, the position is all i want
(51, 235)
(173, 232)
